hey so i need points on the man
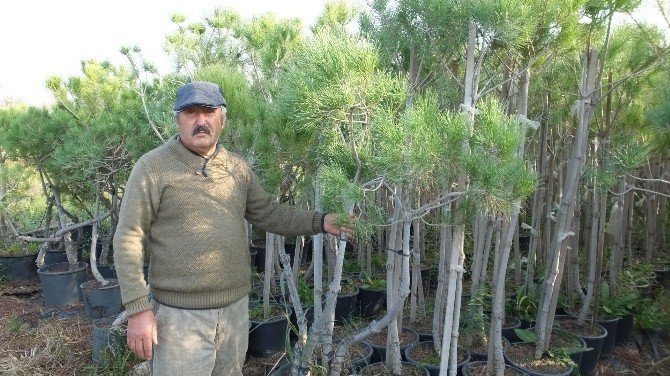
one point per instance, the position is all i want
(186, 201)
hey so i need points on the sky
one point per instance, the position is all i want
(43, 38)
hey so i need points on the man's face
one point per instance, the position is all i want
(200, 127)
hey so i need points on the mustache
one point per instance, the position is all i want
(201, 129)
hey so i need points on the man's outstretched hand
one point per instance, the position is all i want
(331, 227)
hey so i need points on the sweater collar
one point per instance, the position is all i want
(191, 159)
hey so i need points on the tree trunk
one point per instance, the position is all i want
(616, 233)
(566, 209)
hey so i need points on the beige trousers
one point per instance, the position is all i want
(201, 342)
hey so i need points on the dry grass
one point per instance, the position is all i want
(37, 345)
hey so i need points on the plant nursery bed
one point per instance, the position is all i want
(37, 341)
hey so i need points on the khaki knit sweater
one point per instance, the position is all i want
(194, 228)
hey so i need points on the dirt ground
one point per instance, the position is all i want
(37, 341)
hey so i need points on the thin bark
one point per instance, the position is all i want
(269, 269)
(94, 240)
(616, 234)
(566, 209)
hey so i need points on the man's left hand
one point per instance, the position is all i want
(330, 227)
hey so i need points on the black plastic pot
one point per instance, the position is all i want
(379, 350)
(54, 256)
(345, 307)
(434, 370)
(252, 257)
(508, 330)
(589, 364)
(101, 301)
(259, 259)
(589, 359)
(105, 340)
(612, 326)
(60, 283)
(270, 336)
(663, 276)
(478, 355)
(309, 317)
(107, 271)
(426, 277)
(362, 361)
(530, 372)
(625, 331)
(377, 368)
(370, 302)
(466, 371)
(15, 268)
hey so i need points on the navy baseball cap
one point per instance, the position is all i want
(199, 93)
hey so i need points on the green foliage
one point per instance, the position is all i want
(270, 41)
(563, 344)
(20, 200)
(659, 114)
(17, 326)
(524, 305)
(117, 363)
(305, 292)
(494, 165)
(637, 273)
(473, 324)
(374, 283)
(526, 335)
(9, 248)
(335, 17)
(412, 146)
(655, 316)
(210, 41)
(339, 193)
(619, 303)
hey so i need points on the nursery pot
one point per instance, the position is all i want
(60, 283)
(259, 258)
(528, 352)
(345, 306)
(589, 359)
(625, 331)
(106, 340)
(55, 256)
(412, 351)
(15, 268)
(107, 271)
(481, 354)
(362, 360)
(509, 327)
(101, 301)
(370, 302)
(612, 326)
(378, 368)
(252, 257)
(589, 364)
(379, 349)
(309, 317)
(268, 337)
(469, 367)
(663, 276)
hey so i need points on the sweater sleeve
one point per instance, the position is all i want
(139, 205)
(266, 213)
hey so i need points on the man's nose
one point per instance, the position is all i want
(200, 116)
